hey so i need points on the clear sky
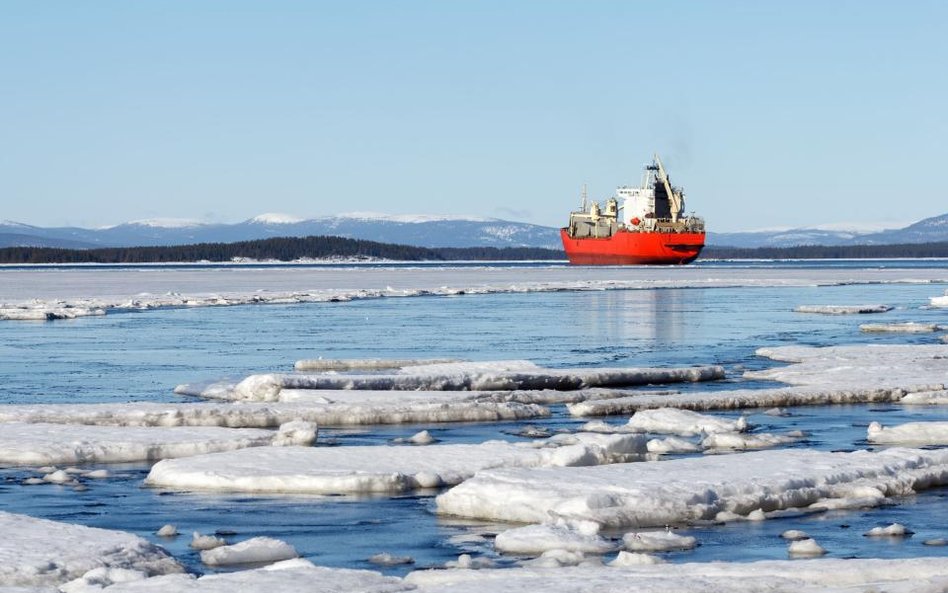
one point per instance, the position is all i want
(770, 114)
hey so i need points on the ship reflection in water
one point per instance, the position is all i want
(643, 320)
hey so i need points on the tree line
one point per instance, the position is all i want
(278, 248)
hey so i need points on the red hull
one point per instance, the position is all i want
(627, 247)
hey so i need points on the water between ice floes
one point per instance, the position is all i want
(142, 356)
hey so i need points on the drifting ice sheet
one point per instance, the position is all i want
(928, 575)
(289, 576)
(337, 470)
(50, 444)
(842, 309)
(908, 366)
(476, 377)
(910, 327)
(39, 552)
(356, 407)
(683, 490)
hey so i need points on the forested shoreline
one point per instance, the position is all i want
(340, 248)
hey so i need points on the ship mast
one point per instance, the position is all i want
(674, 199)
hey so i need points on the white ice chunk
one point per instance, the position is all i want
(805, 547)
(683, 490)
(330, 470)
(537, 539)
(939, 301)
(296, 433)
(672, 445)
(892, 530)
(484, 376)
(735, 441)
(910, 433)
(35, 444)
(657, 541)
(167, 531)
(257, 550)
(386, 559)
(910, 327)
(206, 542)
(926, 398)
(35, 552)
(842, 309)
(794, 535)
(683, 422)
(635, 559)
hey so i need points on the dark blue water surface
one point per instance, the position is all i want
(141, 356)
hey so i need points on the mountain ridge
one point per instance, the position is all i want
(432, 231)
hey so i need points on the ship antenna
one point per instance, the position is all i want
(584, 197)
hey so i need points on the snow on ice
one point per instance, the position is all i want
(288, 576)
(36, 552)
(657, 541)
(824, 575)
(39, 444)
(331, 408)
(256, 550)
(911, 433)
(332, 470)
(483, 376)
(683, 490)
(534, 540)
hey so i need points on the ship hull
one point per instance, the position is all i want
(631, 247)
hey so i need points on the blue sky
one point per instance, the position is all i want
(770, 114)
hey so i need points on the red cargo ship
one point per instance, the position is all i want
(639, 225)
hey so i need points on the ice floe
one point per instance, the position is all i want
(332, 470)
(805, 547)
(46, 312)
(536, 539)
(336, 409)
(35, 552)
(487, 376)
(256, 550)
(657, 541)
(683, 490)
(910, 327)
(635, 559)
(735, 441)
(892, 530)
(910, 433)
(288, 576)
(939, 301)
(909, 366)
(824, 575)
(38, 444)
(842, 309)
(683, 422)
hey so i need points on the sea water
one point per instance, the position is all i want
(141, 356)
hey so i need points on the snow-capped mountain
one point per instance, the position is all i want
(422, 231)
(419, 230)
(929, 230)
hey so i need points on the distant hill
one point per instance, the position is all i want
(929, 230)
(420, 231)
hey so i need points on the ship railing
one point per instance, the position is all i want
(685, 224)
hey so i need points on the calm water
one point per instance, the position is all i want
(142, 356)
